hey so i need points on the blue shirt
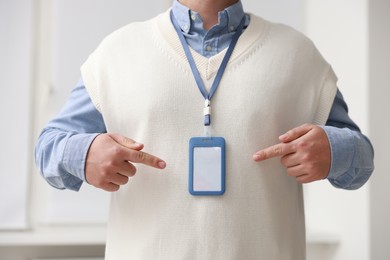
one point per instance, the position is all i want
(63, 144)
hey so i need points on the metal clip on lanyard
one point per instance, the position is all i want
(195, 72)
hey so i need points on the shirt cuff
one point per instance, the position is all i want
(342, 148)
(75, 154)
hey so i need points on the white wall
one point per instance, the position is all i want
(339, 28)
(379, 22)
(15, 106)
(291, 12)
(79, 26)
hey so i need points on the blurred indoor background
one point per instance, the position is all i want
(44, 42)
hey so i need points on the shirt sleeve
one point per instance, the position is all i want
(352, 152)
(63, 144)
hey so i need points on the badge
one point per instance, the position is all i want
(207, 166)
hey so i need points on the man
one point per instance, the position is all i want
(272, 100)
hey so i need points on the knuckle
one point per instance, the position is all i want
(115, 188)
(316, 127)
(100, 182)
(107, 167)
(263, 154)
(141, 156)
(277, 149)
(110, 187)
(154, 161)
(125, 140)
(132, 170)
(125, 180)
(291, 132)
(283, 161)
(104, 176)
(290, 173)
(129, 140)
(302, 144)
(117, 150)
(306, 158)
(294, 146)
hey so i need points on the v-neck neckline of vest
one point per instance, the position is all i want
(208, 67)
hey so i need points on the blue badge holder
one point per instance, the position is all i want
(207, 166)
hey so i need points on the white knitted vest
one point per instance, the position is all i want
(140, 80)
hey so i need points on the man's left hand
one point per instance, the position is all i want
(304, 151)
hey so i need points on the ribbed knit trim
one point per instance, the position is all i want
(254, 34)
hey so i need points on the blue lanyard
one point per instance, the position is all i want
(195, 72)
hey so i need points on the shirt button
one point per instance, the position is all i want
(231, 28)
(193, 17)
(185, 27)
(208, 48)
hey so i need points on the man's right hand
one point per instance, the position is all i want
(110, 161)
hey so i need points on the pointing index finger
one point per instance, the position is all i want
(147, 159)
(276, 150)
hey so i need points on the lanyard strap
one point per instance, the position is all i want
(195, 72)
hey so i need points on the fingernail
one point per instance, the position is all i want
(283, 136)
(256, 157)
(137, 144)
(162, 165)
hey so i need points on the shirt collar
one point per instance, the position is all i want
(232, 15)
